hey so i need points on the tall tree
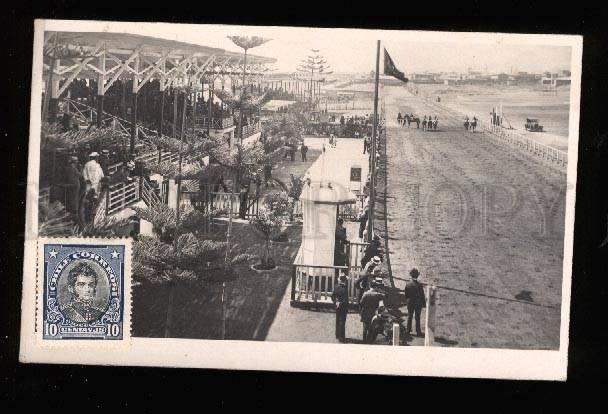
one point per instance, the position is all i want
(316, 66)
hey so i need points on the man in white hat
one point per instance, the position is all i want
(93, 173)
(130, 170)
(372, 265)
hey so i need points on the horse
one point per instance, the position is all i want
(474, 124)
(466, 125)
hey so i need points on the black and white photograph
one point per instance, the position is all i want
(287, 189)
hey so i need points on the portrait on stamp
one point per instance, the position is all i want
(83, 291)
(83, 295)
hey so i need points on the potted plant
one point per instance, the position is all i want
(268, 225)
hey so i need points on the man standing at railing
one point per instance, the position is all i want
(104, 161)
(368, 305)
(74, 177)
(86, 204)
(362, 217)
(373, 249)
(93, 173)
(340, 299)
(340, 244)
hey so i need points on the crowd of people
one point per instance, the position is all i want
(372, 292)
(371, 282)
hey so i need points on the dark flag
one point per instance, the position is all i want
(390, 68)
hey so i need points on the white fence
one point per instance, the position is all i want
(528, 144)
(551, 156)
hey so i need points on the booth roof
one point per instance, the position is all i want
(324, 194)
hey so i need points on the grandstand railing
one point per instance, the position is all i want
(216, 123)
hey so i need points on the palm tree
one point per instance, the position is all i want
(246, 43)
(177, 255)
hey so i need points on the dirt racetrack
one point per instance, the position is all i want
(483, 222)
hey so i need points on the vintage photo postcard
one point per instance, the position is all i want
(301, 199)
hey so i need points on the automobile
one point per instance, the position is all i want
(532, 125)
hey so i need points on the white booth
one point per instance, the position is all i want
(315, 274)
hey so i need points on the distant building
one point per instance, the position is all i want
(426, 78)
(555, 80)
(452, 78)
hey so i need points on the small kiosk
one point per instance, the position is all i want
(314, 273)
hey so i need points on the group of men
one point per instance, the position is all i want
(290, 151)
(84, 185)
(371, 296)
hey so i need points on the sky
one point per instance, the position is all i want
(348, 50)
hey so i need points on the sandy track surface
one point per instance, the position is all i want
(483, 222)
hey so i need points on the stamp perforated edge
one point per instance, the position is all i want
(127, 300)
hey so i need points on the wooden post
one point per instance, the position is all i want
(223, 310)
(242, 96)
(175, 98)
(134, 110)
(396, 332)
(162, 112)
(133, 122)
(100, 86)
(194, 112)
(179, 166)
(99, 110)
(429, 319)
(123, 102)
(209, 108)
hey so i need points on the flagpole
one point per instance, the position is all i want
(372, 192)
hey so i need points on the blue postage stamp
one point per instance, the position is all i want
(84, 291)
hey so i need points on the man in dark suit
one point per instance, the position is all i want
(340, 299)
(368, 305)
(74, 178)
(415, 301)
(340, 244)
(303, 151)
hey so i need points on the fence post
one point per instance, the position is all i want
(141, 188)
(107, 200)
(396, 331)
(429, 320)
(293, 283)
